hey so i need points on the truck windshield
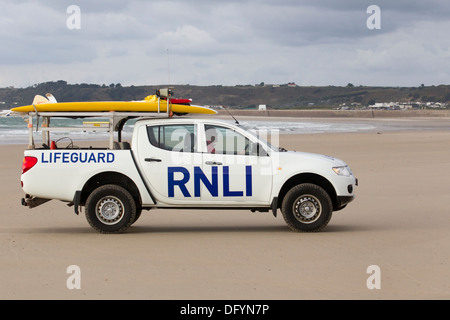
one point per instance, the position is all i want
(263, 135)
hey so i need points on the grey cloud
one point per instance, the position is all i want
(227, 42)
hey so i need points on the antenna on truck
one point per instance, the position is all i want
(168, 67)
(226, 109)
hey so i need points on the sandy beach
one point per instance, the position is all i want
(399, 222)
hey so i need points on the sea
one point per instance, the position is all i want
(13, 129)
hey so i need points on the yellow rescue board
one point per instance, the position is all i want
(148, 105)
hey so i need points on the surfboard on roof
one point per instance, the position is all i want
(152, 103)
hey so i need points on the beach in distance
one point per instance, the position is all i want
(391, 242)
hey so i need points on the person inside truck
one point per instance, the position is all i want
(211, 140)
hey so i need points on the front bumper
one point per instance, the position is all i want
(342, 201)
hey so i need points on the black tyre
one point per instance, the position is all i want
(307, 208)
(110, 209)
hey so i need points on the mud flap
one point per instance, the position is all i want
(274, 206)
(76, 202)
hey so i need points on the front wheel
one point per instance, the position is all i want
(307, 208)
(110, 209)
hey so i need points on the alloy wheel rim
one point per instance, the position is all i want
(307, 209)
(110, 210)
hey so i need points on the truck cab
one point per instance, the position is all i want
(197, 163)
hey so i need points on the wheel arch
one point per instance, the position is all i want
(308, 178)
(110, 177)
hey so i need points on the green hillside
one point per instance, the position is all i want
(240, 96)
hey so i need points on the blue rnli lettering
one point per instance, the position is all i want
(211, 183)
(248, 181)
(180, 183)
(226, 185)
(75, 157)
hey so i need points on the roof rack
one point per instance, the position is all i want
(115, 123)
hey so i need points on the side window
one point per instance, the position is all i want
(221, 140)
(177, 137)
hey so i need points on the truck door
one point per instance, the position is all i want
(168, 158)
(232, 171)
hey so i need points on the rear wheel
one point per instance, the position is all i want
(307, 208)
(110, 209)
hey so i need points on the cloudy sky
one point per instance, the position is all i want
(218, 42)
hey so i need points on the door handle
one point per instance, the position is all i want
(213, 163)
(152, 160)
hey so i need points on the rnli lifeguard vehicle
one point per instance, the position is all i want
(174, 162)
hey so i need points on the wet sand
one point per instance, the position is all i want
(398, 222)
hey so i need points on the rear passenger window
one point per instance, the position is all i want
(177, 137)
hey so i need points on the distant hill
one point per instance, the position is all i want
(240, 96)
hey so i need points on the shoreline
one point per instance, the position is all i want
(292, 126)
(356, 121)
(428, 113)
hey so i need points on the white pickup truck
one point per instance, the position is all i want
(187, 163)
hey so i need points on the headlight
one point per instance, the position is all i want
(343, 171)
